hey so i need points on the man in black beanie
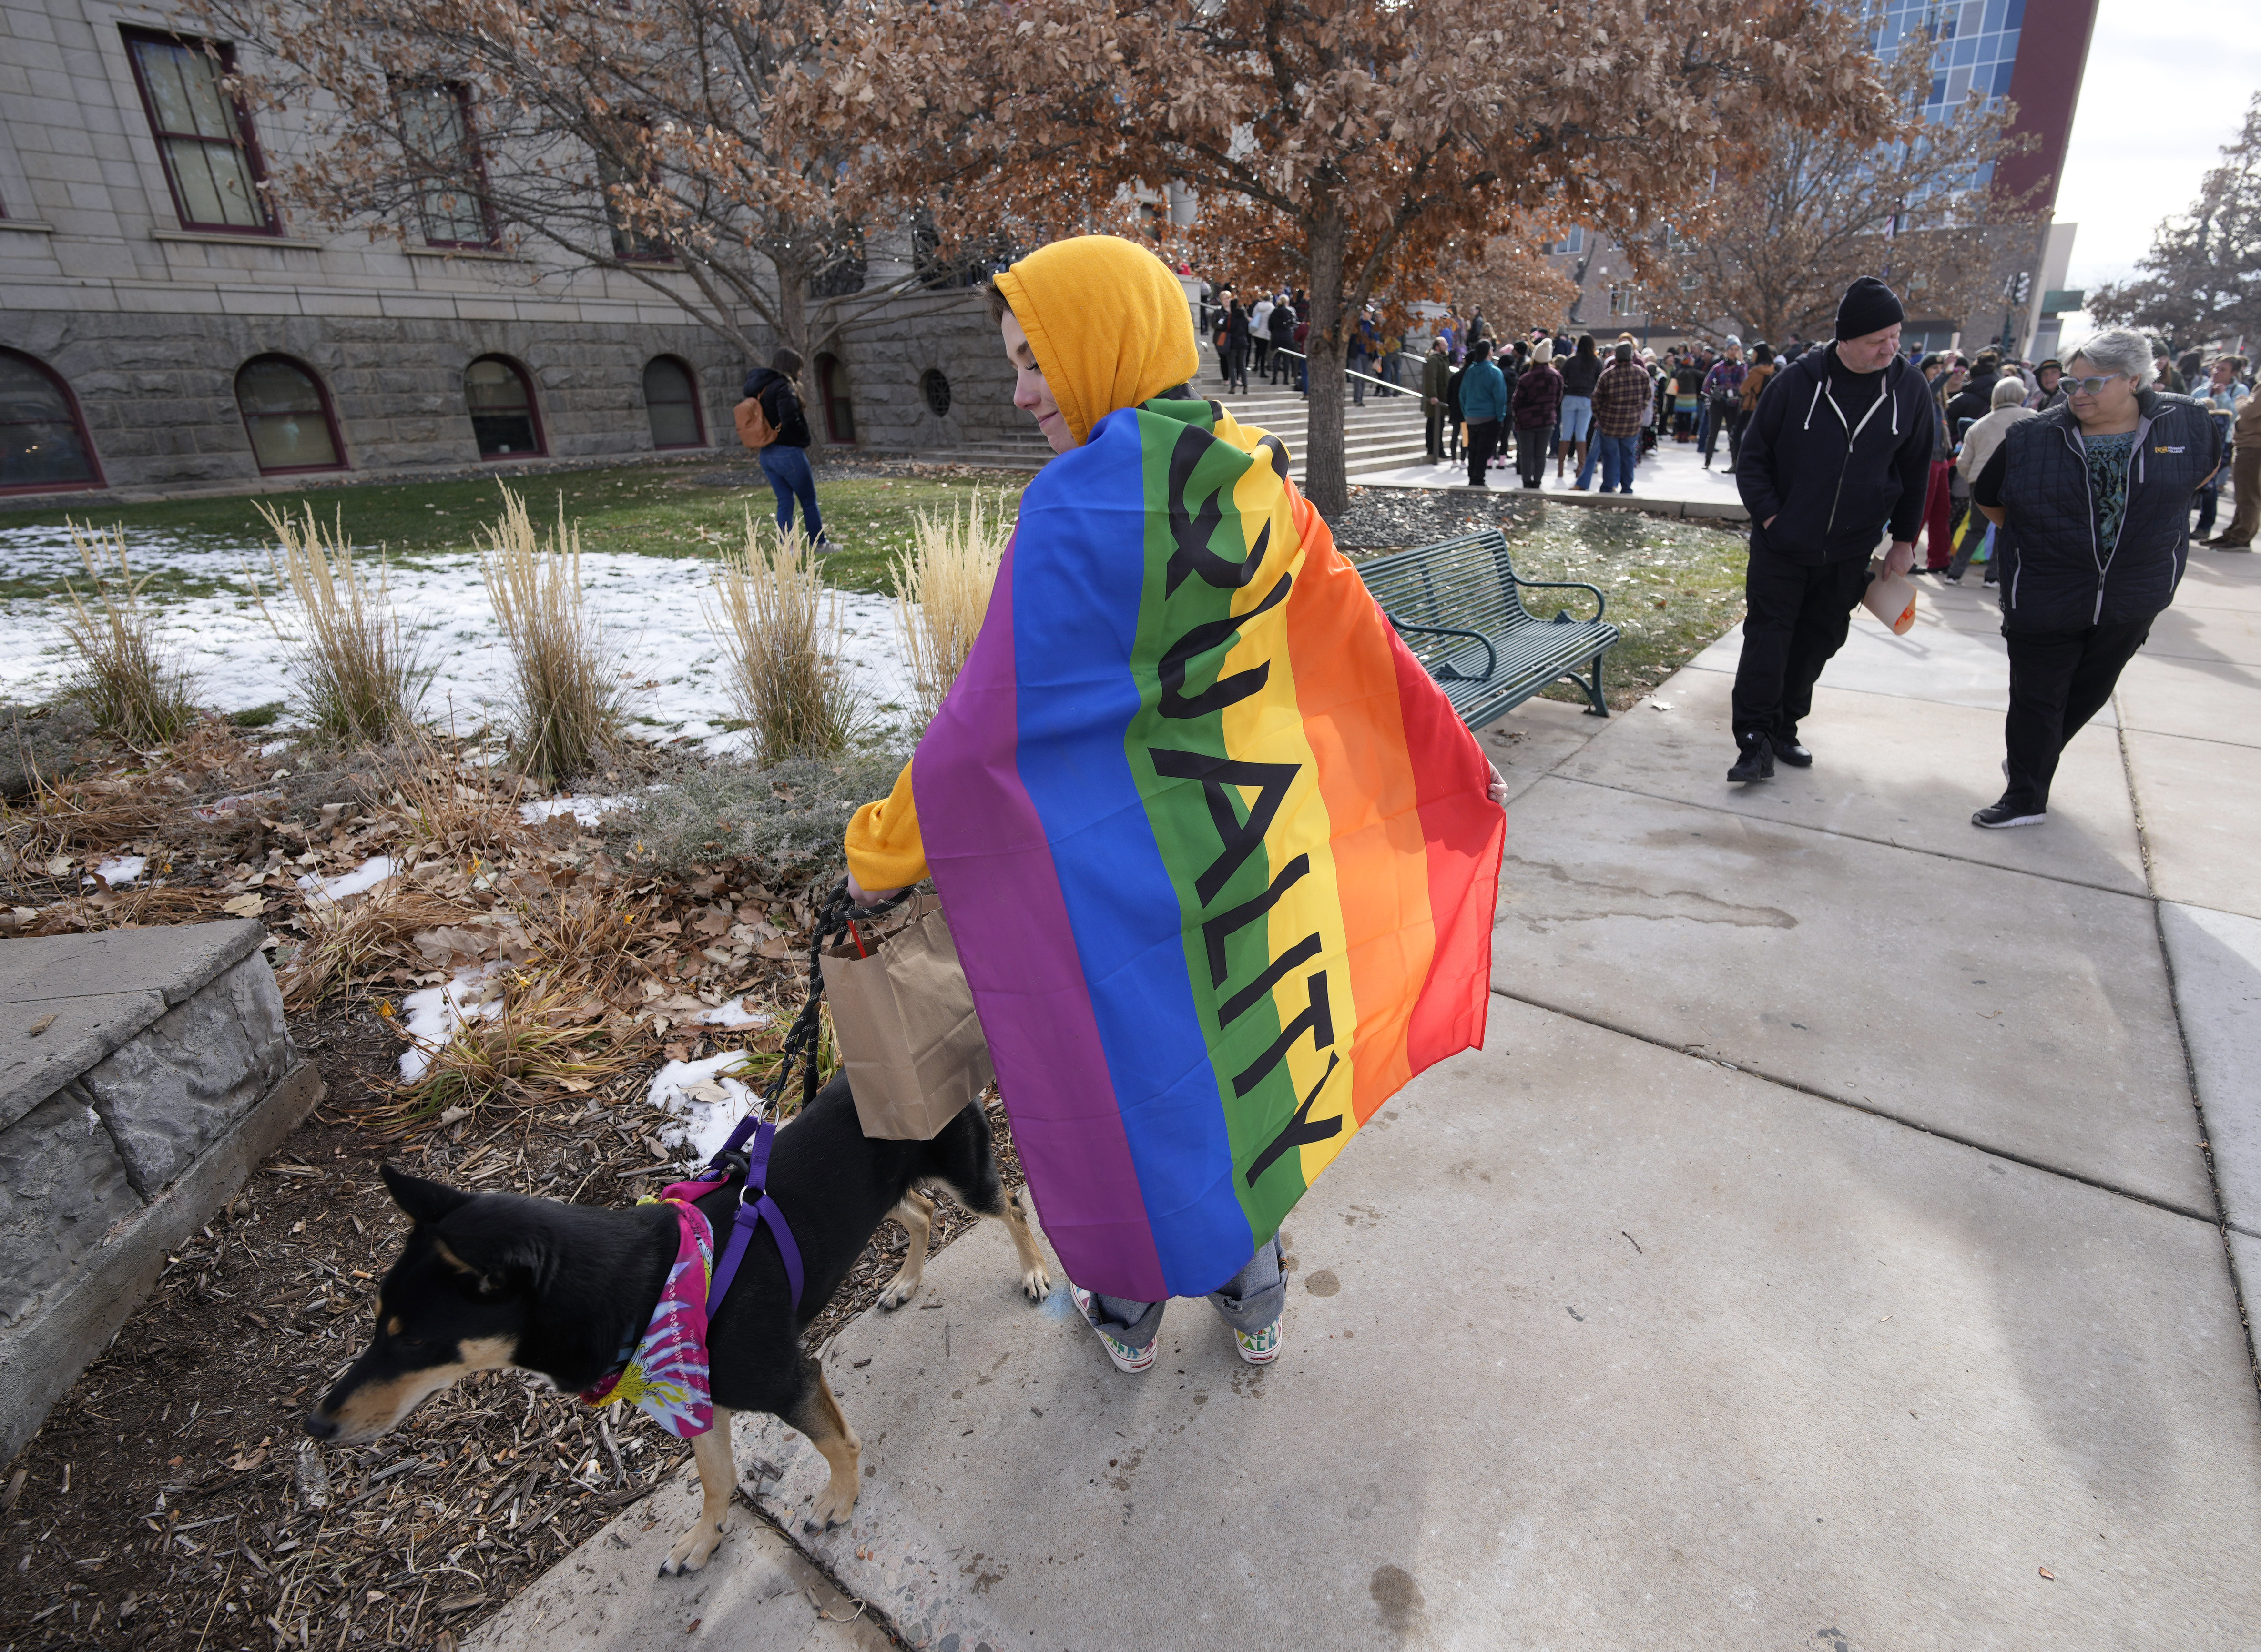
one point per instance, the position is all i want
(1839, 446)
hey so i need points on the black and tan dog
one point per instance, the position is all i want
(489, 1280)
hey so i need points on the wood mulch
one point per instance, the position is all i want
(170, 1501)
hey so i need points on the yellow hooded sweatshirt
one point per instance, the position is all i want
(1109, 327)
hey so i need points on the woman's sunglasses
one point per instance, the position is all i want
(2092, 385)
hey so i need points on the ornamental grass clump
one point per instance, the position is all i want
(134, 686)
(941, 592)
(781, 632)
(569, 694)
(360, 673)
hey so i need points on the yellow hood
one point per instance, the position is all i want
(1108, 323)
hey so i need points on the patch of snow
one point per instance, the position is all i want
(431, 1017)
(733, 1013)
(587, 810)
(120, 870)
(269, 748)
(360, 881)
(706, 1104)
(652, 608)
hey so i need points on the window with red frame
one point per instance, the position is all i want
(43, 443)
(435, 129)
(503, 417)
(832, 387)
(286, 413)
(670, 397)
(202, 132)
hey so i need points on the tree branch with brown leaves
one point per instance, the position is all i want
(1346, 146)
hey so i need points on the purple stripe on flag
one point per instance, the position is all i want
(994, 870)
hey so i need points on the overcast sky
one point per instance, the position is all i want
(2166, 88)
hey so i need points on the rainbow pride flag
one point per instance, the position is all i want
(1217, 854)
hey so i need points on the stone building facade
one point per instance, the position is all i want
(149, 345)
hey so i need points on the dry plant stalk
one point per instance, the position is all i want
(569, 683)
(546, 1036)
(135, 687)
(347, 944)
(359, 671)
(444, 812)
(782, 637)
(941, 593)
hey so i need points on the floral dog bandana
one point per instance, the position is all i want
(666, 1373)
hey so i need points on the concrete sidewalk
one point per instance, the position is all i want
(1824, 1251)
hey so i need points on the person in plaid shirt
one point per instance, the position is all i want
(1620, 397)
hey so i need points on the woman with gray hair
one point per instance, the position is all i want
(2091, 505)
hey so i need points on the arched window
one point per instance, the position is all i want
(671, 397)
(286, 412)
(832, 386)
(43, 443)
(502, 417)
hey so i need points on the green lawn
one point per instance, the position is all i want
(1674, 587)
(643, 509)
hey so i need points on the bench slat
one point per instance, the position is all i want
(1468, 584)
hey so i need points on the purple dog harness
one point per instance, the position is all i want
(755, 1207)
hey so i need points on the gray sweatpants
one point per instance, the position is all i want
(1248, 1301)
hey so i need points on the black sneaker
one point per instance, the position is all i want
(1790, 752)
(1757, 761)
(1996, 816)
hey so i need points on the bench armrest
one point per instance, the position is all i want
(1601, 603)
(1446, 672)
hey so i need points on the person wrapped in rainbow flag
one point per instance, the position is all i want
(1219, 858)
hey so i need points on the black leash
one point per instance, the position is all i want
(747, 1153)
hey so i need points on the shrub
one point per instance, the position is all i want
(569, 682)
(39, 745)
(941, 592)
(132, 684)
(781, 636)
(787, 818)
(359, 672)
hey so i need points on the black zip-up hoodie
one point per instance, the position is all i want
(779, 406)
(1830, 485)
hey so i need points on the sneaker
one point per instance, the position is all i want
(1259, 1347)
(1126, 1358)
(1995, 815)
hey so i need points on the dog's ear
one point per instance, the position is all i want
(499, 1261)
(427, 1203)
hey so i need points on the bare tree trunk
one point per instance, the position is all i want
(1326, 483)
(793, 306)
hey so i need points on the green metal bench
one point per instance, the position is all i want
(1459, 605)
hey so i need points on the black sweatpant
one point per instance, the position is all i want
(1798, 614)
(1532, 448)
(1483, 442)
(2058, 680)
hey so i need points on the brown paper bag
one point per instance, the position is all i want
(909, 1038)
(1891, 599)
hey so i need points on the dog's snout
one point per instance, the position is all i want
(320, 1427)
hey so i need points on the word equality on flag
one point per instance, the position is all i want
(1218, 855)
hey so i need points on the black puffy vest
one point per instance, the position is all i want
(2055, 574)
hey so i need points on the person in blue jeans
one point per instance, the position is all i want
(1622, 394)
(785, 461)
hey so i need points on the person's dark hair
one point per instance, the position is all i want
(1761, 353)
(1988, 361)
(786, 361)
(993, 296)
(1585, 344)
(1625, 352)
(1480, 349)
